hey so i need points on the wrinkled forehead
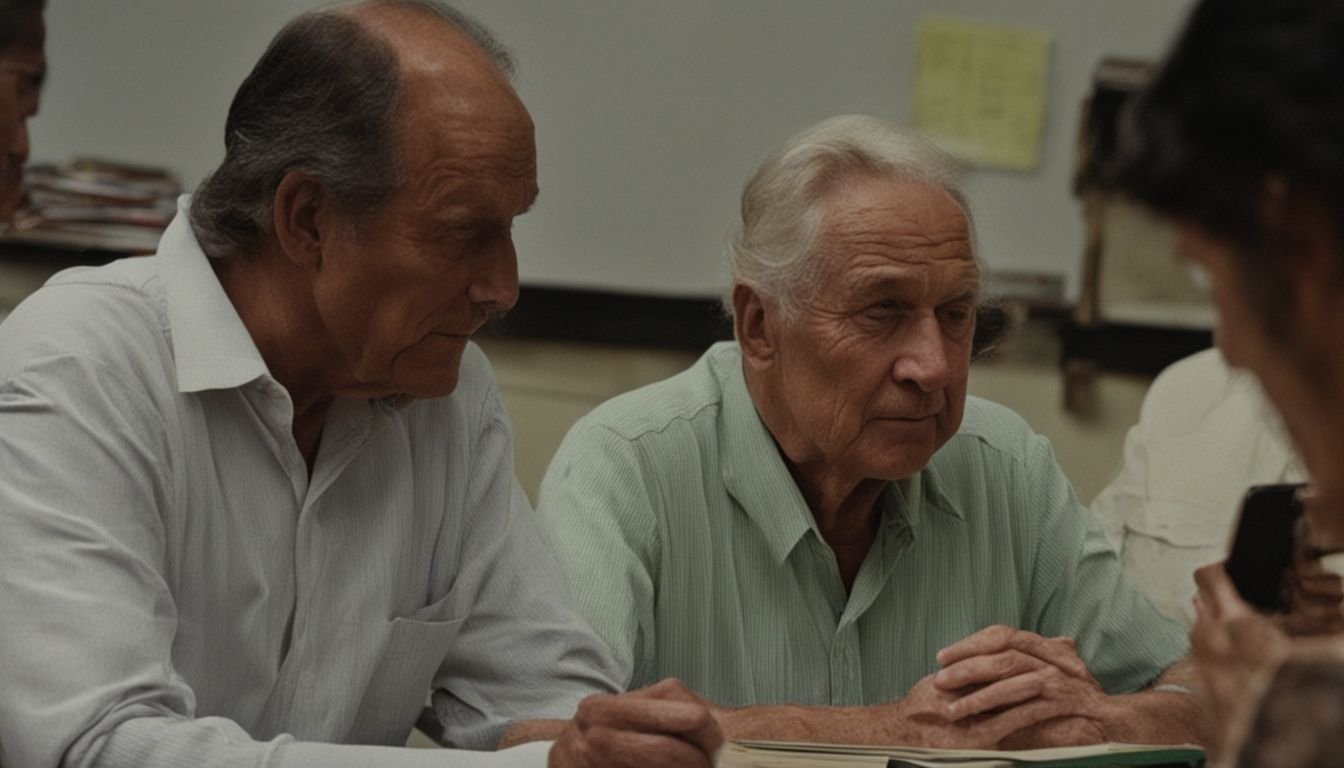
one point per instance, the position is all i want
(897, 217)
(880, 231)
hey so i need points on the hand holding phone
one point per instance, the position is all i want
(1262, 549)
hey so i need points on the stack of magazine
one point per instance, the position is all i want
(95, 205)
(781, 754)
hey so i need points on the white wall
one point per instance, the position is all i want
(650, 113)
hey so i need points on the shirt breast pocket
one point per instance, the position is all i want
(399, 687)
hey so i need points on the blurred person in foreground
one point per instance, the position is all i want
(1239, 141)
(1300, 721)
(23, 68)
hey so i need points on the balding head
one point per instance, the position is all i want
(325, 99)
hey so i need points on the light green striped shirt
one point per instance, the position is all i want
(692, 552)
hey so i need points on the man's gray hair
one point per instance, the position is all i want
(322, 99)
(771, 250)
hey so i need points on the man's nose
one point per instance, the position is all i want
(923, 358)
(495, 287)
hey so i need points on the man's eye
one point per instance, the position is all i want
(958, 317)
(462, 233)
(882, 310)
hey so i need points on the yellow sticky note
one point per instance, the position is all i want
(980, 90)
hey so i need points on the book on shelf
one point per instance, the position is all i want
(783, 754)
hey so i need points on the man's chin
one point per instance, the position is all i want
(431, 373)
(429, 387)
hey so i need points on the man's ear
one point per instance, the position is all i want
(754, 326)
(297, 217)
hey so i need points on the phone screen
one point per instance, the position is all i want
(1262, 549)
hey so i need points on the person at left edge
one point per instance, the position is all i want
(256, 492)
(23, 67)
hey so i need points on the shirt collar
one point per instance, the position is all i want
(211, 347)
(755, 474)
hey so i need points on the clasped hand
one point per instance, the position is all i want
(664, 724)
(1006, 688)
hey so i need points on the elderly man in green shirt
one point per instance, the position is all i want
(819, 532)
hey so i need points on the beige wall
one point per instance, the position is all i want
(547, 386)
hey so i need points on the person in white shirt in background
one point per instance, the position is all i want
(1205, 433)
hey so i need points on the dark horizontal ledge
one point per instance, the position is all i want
(1124, 348)
(602, 317)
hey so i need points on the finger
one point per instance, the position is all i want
(1218, 593)
(708, 735)
(982, 670)
(1005, 693)
(669, 688)
(1059, 652)
(1311, 618)
(999, 638)
(1323, 585)
(1208, 636)
(998, 727)
(639, 712)
(605, 746)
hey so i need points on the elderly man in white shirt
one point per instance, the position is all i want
(256, 491)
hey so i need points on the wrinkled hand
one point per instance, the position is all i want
(1235, 651)
(1003, 687)
(664, 724)
(922, 719)
(1000, 670)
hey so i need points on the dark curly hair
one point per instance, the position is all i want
(13, 15)
(1253, 91)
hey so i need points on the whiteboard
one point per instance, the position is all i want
(650, 113)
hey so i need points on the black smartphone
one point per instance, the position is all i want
(1262, 549)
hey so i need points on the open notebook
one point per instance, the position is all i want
(783, 754)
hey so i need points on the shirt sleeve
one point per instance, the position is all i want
(598, 516)
(1079, 588)
(87, 677)
(1126, 495)
(524, 652)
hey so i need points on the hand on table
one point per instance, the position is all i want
(1003, 687)
(664, 724)
(1000, 671)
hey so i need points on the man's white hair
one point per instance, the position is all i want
(771, 250)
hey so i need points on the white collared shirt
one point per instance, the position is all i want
(176, 590)
(1205, 434)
